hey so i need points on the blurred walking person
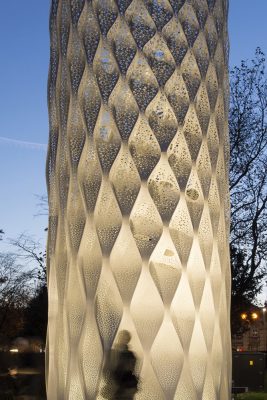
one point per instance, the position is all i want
(121, 380)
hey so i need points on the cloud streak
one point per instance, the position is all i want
(22, 144)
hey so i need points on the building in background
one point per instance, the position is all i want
(254, 337)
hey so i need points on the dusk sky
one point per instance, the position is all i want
(24, 43)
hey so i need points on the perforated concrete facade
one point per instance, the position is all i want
(138, 195)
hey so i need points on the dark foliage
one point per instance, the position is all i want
(35, 314)
(16, 287)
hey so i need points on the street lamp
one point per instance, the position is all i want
(254, 316)
(249, 319)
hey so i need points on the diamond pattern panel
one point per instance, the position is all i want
(138, 196)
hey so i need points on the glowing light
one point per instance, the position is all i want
(14, 350)
(254, 316)
(243, 316)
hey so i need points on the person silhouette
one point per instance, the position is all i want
(121, 380)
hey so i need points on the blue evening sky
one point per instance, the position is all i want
(24, 44)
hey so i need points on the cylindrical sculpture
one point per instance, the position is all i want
(138, 196)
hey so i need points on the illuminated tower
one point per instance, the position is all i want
(138, 195)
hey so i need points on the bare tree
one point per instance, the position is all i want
(30, 252)
(16, 288)
(42, 205)
(22, 288)
(248, 179)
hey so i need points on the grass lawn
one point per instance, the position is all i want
(252, 396)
